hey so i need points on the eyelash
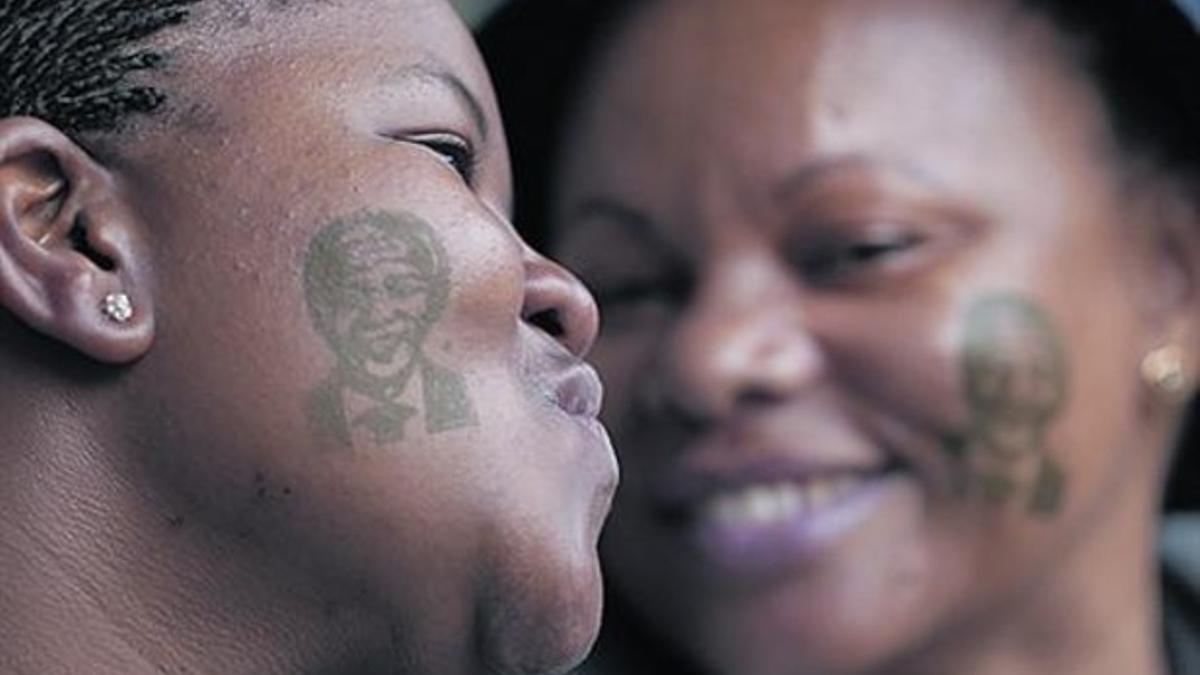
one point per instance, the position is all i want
(833, 262)
(456, 152)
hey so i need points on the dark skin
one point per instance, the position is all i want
(167, 506)
(799, 217)
(376, 284)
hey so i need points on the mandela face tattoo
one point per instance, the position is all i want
(376, 283)
(1014, 376)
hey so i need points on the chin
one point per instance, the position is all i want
(809, 629)
(543, 624)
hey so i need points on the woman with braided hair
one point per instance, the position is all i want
(901, 310)
(282, 391)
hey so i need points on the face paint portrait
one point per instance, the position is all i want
(376, 284)
(1015, 377)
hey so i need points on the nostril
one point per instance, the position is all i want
(548, 321)
(755, 397)
(557, 305)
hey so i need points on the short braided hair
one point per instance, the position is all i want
(67, 62)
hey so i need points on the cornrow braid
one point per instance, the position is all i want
(66, 61)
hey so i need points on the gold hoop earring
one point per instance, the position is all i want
(1164, 371)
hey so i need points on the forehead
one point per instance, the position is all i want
(299, 111)
(766, 82)
(235, 54)
(235, 27)
(755, 56)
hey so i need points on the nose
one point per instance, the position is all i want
(558, 304)
(739, 347)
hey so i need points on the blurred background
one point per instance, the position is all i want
(475, 11)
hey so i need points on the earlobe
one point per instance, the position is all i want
(71, 260)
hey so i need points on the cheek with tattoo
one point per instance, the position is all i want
(376, 283)
(1014, 378)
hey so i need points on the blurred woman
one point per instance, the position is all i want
(902, 307)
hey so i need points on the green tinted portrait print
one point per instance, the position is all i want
(1014, 378)
(376, 283)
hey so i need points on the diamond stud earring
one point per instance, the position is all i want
(117, 307)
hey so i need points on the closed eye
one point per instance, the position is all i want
(455, 151)
(835, 261)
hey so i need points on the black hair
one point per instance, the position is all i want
(1142, 55)
(68, 62)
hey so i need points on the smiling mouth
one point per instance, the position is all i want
(385, 344)
(765, 504)
(770, 515)
(763, 490)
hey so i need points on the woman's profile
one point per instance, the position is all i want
(282, 390)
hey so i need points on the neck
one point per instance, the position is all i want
(1097, 614)
(101, 574)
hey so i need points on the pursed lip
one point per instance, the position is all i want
(579, 392)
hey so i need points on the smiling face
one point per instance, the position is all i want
(333, 203)
(386, 334)
(841, 248)
(375, 287)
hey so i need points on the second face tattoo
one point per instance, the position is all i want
(1014, 376)
(376, 283)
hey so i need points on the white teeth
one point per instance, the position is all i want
(817, 495)
(761, 504)
(790, 499)
(766, 504)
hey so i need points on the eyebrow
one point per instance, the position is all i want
(818, 169)
(629, 219)
(429, 71)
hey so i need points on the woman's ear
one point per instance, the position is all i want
(1175, 301)
(71, 258)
